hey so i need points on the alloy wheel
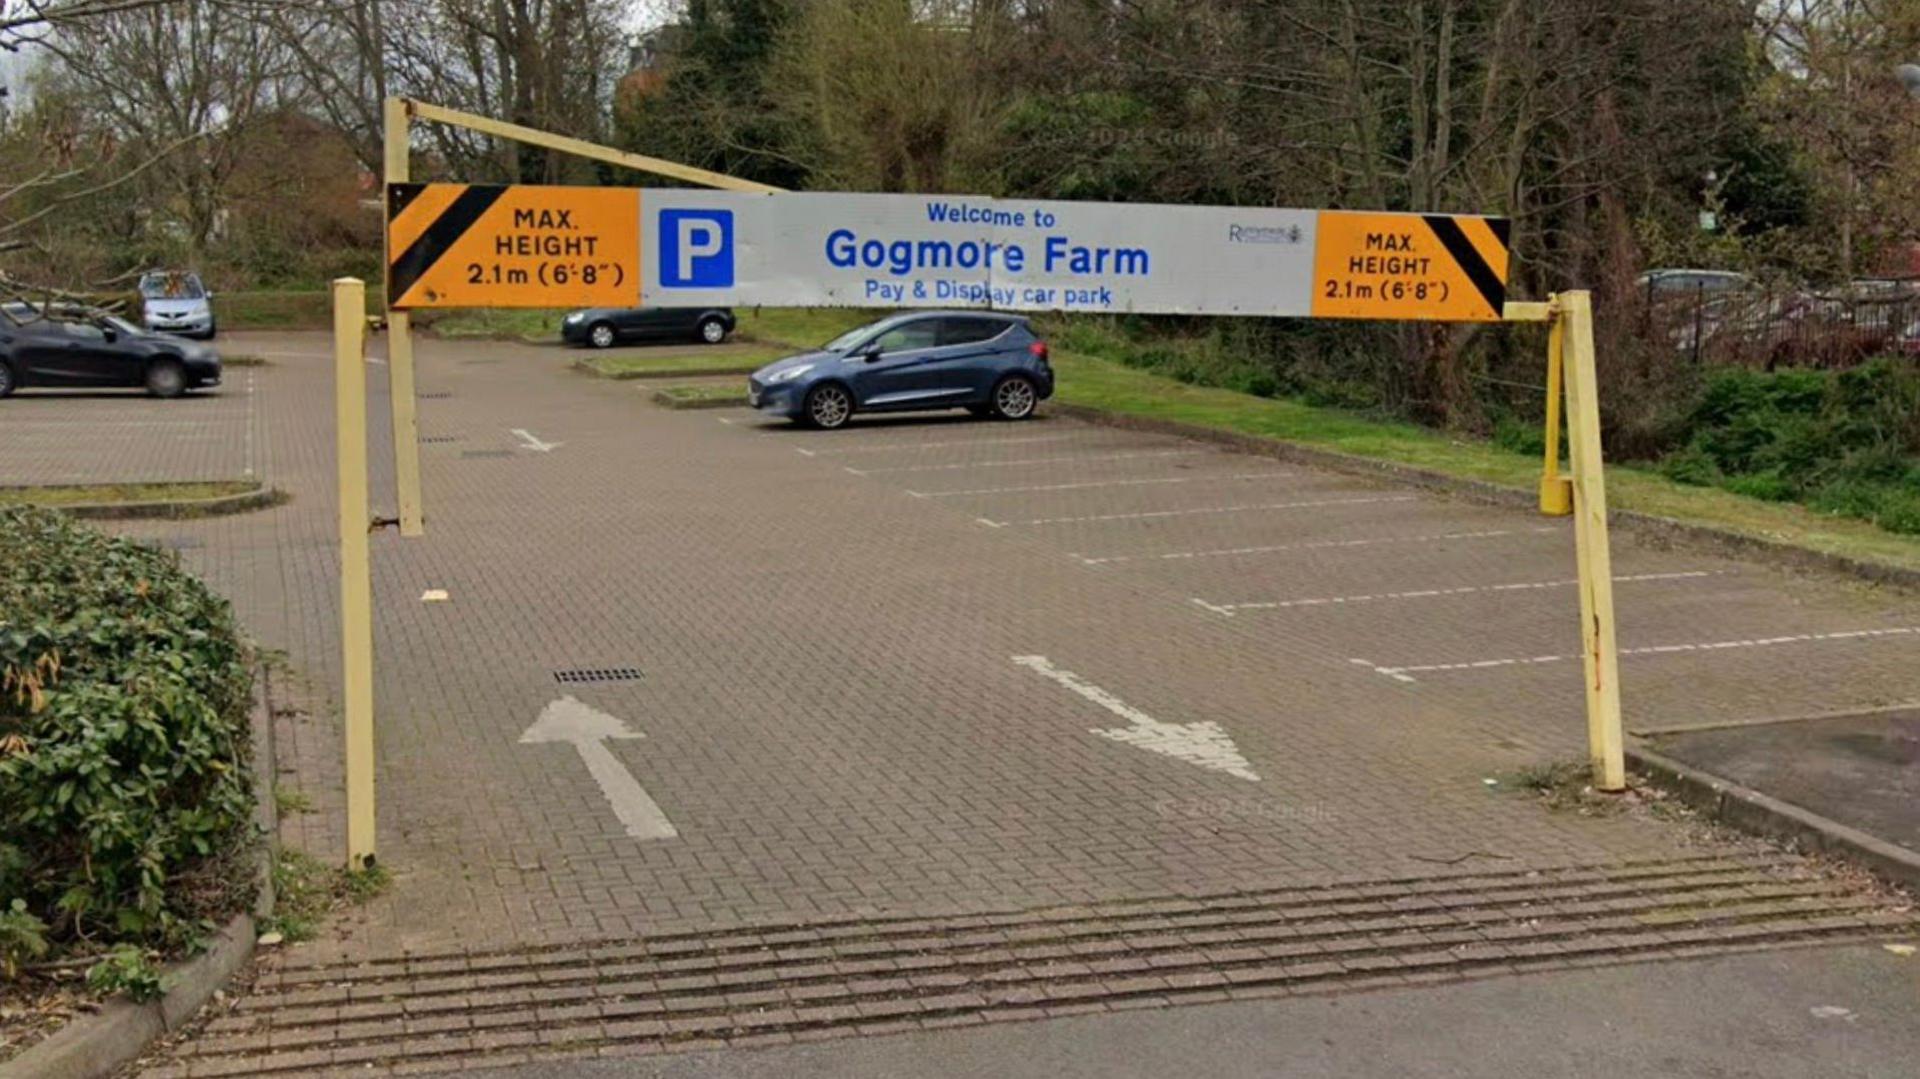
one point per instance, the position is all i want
(1014, 399)
(829, 406)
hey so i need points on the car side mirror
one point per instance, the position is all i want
(871, 354)
(110, 334)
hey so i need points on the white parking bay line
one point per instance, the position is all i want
(1093, 483)
(1091, 457)
(1318, 544)
(1406, 673)
(1433, 593)
(894, 447)
(1248, 508)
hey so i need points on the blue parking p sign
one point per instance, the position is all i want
(696, 248)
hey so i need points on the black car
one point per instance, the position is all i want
(604, 327)
(79, 348)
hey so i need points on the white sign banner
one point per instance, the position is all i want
(800, 249)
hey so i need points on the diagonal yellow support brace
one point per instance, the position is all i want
(1600, 651)
(581, 148)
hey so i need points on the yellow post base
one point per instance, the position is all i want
(1556, 496)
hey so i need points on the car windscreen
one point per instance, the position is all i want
(171, 286)
(846, 340)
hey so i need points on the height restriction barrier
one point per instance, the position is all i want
(748, 244)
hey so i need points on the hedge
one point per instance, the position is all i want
(125, 796)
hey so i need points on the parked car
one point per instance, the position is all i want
(1693, 282)
(990, 364)
(71, 347)
(174, 301)
(604, 327)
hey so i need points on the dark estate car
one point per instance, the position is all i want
(80, 348)
(604, 327)
(987, 363)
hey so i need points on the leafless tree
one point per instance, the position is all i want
(184, 72)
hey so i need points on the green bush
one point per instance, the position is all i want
(1842, 442)
(125, 801)
(23, 937)
(127, 970)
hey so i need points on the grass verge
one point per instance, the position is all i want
(786, 328)
(1112, 387)
(306, 891)
(700, 395)
(534, 325)
(796, 329)
(733, 361)
(303, 310)
(114, 493)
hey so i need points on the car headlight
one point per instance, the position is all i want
(791, 373)
(573, 318)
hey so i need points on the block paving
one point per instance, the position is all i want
(824, 627)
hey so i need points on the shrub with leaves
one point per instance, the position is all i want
(1843, 442)
(127, 970)
(125, 801)
(23, 937)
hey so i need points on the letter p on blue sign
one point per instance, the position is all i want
(696, 248)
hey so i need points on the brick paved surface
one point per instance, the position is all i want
(826, 625)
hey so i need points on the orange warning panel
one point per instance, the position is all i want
(1422, 267)
(477, 245)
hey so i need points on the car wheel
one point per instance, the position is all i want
(1014, 397)
(7, 381)
(166, 378)
(601, 335)
(713, 331)
(829, 406)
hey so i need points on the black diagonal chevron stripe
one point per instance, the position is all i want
(401, 196)
(1491, 288)
(446, 229)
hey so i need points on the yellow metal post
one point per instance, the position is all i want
(1556, 493)
(356, 580)
(1601, 656)
(406, 426)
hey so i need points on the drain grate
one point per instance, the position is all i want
(439, 438)
(486, 453)
(439, 395)
(586, 676)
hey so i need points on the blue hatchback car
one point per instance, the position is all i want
(988, 363)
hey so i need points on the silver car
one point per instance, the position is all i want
(175, 302)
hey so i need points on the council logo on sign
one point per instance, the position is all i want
(696, 248)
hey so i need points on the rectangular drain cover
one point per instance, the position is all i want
(440, 438)
(486, 453)
(582, 676)
(439, 396)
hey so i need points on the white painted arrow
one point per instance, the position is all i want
(1206, 743)
(527, 441)
(587, 729)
